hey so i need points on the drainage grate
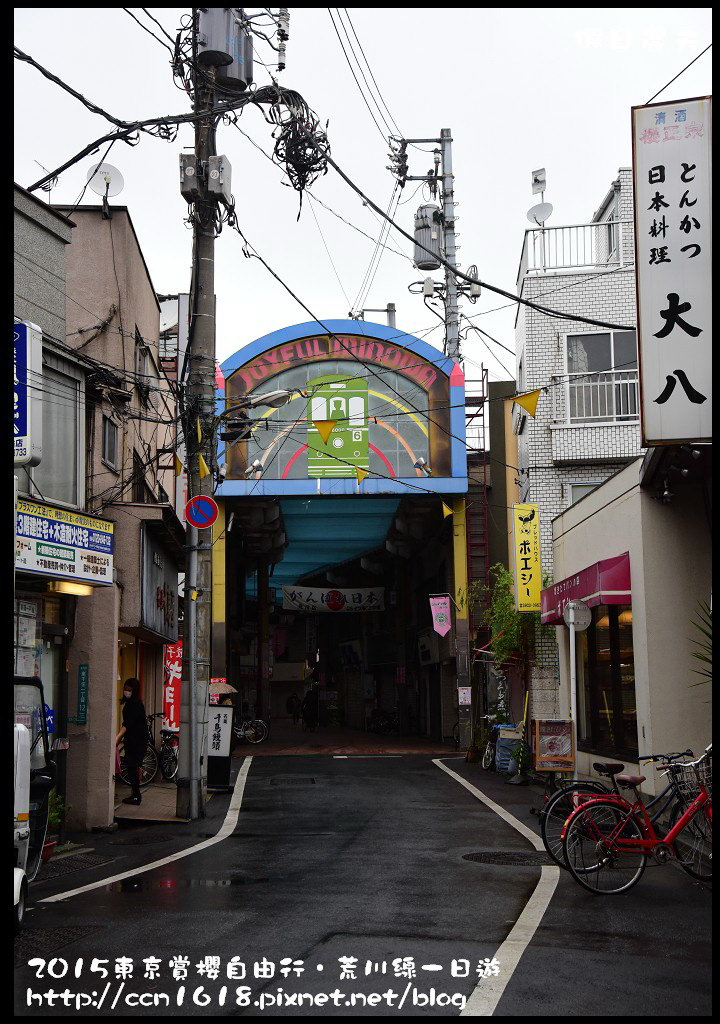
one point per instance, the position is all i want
(510, 857)
(55, 868)
(292, 781)
(132, 840)
(41, 941)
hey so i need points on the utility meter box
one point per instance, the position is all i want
(428, 235)
(189, 184)
(219, 172)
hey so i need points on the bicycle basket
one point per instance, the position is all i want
(687, 779)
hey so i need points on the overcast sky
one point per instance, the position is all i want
(520, 88)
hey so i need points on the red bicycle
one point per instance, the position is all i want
(606, 841)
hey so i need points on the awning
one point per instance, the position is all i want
(606, 582)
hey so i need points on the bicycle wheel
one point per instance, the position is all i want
(556, 812)
(456, 735)
(148, 769)
(591, 849)
(488, 758)
(168, 762)
(693, 846)
(255, 731)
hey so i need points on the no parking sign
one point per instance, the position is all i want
(201, 511)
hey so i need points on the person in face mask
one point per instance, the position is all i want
(135, 733)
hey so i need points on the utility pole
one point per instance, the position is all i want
(198, 423)
(452, 322)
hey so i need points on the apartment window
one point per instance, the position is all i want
(138, 487)
(60, 475)
(602, 383)
(607, 718)
(110, 443)
(578, 491)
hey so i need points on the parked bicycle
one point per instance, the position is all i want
(606, 840)
(570, 795)
(254, 730)
(385, 722)
(163, 757)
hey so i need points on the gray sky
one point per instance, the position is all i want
(521, 88)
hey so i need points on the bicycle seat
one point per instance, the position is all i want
(608, 767)
(629, 780)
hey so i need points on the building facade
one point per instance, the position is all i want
(587, 424)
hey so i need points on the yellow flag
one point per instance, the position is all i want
(204, 471)
(360, 474)
(324, 428)
(529, 400)
(447, 511)
(178, 466)
(199, 431)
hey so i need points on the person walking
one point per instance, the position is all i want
(136, 735)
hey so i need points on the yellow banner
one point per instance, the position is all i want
(526, 546)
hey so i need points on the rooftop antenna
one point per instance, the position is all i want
(106, 181)
(49, 185)
(537, 215)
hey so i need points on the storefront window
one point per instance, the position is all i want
(607, 718)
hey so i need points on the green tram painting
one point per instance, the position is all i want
(344, 400)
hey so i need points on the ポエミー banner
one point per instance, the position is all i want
(526, 546)
(673, 258)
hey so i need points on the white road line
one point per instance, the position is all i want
(227, 828)
(487, 993)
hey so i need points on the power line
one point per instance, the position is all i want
(679, 73)
(377, 88)
(372, 115)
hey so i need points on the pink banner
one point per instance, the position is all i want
(440, 608)
(171, 691)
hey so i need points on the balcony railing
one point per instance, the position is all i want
(577, 247)
(608, 397)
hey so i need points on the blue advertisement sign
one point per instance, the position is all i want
(27, 388)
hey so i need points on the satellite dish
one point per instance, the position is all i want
(540, 213)
(105, 180)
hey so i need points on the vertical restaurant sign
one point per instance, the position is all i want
(171, 688)
(526, 545)
(440, 608)
(27, 387)
(673, 260)
(83, 689)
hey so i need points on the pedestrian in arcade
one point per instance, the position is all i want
(135, 733)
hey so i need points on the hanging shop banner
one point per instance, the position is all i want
(440, 608)
(526, 545)
(27, 387)
(159, 587)
(314, 599)
(673, 259)
(171, 687)
(66, 545)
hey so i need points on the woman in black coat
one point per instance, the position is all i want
(135, 733)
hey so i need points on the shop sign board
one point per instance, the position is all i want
(673, 260)
(220, 732)
(315, 599)
(159, 589)
(171, 686)
(526, 545)
(27, 388)
(554, 745)
(63, 544)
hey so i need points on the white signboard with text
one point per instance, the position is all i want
(673, 258)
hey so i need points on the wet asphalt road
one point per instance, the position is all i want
(360, 858)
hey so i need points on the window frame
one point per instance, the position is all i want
(615, 420)
(114, 466)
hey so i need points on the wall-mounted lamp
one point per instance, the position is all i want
(666, 495)
(692, 452)
(422, 465)
(682, 470)
(255, 467)
(68, 587)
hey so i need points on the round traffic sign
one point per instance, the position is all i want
(201, 511)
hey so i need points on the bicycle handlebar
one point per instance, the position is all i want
(666, 757)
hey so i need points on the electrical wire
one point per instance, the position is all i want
(679, 73)
(377, 88)
(360, 90)
(332, 263)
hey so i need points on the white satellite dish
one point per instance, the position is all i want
(105, 180)
(539, 214)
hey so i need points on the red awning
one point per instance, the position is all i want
(606, 582)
